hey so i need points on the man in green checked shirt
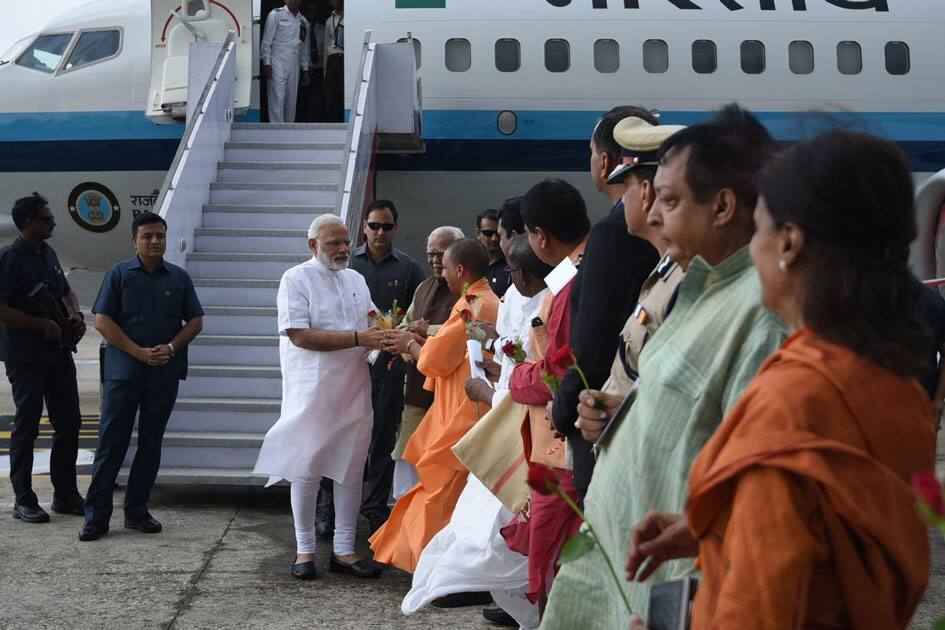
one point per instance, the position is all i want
(693, 369)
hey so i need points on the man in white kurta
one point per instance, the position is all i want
(324, 429)
(469, 554)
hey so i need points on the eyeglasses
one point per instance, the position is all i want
(488, 233)
(337, 243)
(49, 220)
(387, 227)
(435, 255)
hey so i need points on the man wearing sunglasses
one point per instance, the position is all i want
(390, 275)
(487, 231)
(38, 363)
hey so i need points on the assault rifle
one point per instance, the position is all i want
(49, 306)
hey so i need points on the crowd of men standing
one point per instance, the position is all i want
(715, 369)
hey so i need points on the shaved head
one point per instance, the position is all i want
(472, 255)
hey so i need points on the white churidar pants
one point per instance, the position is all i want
(405, 478)
(283, 88)
(304, 495)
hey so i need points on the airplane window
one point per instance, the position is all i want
(849, 58)
(606, 55)
(897, 58)
(655, 56)
(508, 55)
(557, 55)
(458, 55)
(753, 56)
(704, 56)
(801, 57)
(45, 53)
(416, 48)
(94, 46)
(197, 8)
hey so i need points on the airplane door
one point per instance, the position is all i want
(175, 25)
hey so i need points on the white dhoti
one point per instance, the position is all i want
(470, 554)
(283, 89)
(325, 426)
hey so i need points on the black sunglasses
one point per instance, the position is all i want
(488, 233)
(377, 226)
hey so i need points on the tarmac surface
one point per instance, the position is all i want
(222, 561)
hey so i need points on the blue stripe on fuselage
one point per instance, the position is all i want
(458, 140)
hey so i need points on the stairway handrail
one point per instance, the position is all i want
(350, 194)
(176, 252)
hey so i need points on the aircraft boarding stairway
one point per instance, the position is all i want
(238, 201)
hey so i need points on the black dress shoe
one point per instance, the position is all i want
(73, 504)
(459, 600)
(92, 531)
(147, 524)
(324, 530)
(499, 617)
(30, 513)
(361, 568)
(304, 570)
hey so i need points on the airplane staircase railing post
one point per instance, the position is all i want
(186, 187)
(389, 70)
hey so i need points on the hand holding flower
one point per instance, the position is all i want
(595, 410)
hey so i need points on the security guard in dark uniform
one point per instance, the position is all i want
(139, 311)
(390, 275)
(36, 352)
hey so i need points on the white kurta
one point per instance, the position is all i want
(324, 429)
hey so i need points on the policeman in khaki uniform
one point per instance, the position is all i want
(640, 143)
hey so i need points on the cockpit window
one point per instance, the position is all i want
(46, 52)
(94, 46)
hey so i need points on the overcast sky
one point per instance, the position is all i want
(19, 19)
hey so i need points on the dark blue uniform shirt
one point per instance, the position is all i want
(21, 270)
(150, 308)
(396, 277)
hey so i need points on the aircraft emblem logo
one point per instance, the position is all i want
(94, 207)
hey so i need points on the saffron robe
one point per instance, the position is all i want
(801, 500)
(427, 507)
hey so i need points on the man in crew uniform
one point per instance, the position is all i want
(285, 49)
(38, 362)
(139, 311)
(391, 275)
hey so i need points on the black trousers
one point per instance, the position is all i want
(151, 402)
(54, 383)
(387, 398)
(335, 89)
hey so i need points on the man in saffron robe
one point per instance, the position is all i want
(443, 359)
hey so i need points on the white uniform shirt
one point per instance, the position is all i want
(324, 429)
(281, 38)
(514, 323)
(333, 24)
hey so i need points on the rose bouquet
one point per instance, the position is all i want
(386, 321)
(515, 350)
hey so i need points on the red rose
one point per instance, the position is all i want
(466, 314)
(930, 491)
(508, 348)
(543, 479)
(472, 297)
(372, 314)
(563, 358)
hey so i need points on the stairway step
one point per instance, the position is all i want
(240, 320)
(243, 193)
(236, 292)
(235, 371)
(289, 132)
(179, 475)
(236, 340)
(251, 240)
(235, 349)
(279, 172)
(253, 381)
(267, 266)
(260, 216)
(289, 126)
(231, 405)
(241, 311)
(217, 439)
(284, 151)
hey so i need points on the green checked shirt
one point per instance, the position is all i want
(691, 373)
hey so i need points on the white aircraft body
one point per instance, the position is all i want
(511, 93)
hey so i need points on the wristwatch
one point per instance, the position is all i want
(173, 349)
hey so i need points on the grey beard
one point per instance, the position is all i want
(332, 265)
